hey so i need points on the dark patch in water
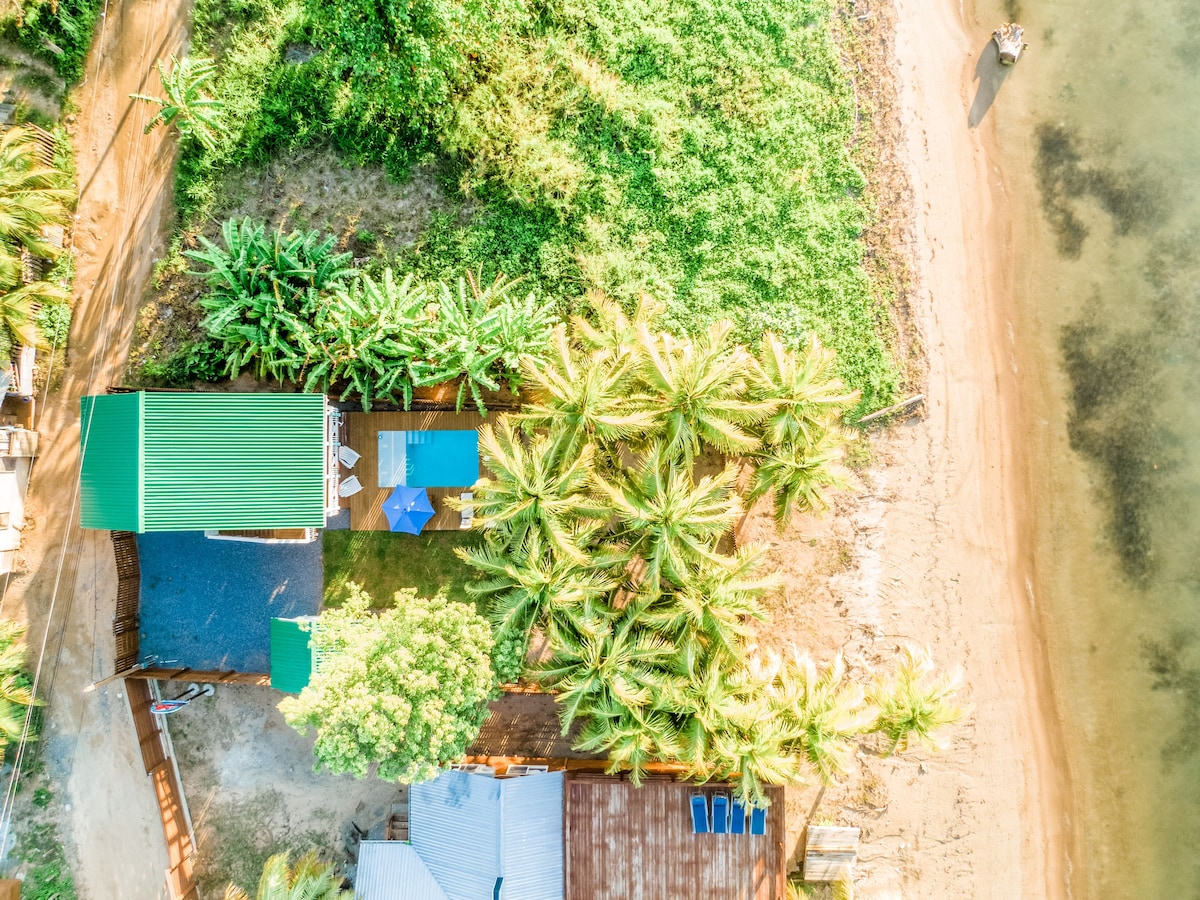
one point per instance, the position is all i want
(1168, 663)
(1064, 177)
(1012, 10)
(1114, 388)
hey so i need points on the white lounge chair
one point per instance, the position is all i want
(348, 456)
(468, 512)
(349, 486)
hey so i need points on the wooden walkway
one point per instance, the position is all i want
(627, 843)
(362, 435)
(176, 828)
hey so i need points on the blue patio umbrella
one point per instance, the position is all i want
(408, 509)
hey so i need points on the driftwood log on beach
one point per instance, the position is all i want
(1008, 38)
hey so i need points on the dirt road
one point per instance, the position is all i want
(67, 589)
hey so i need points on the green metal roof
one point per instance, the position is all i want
(292, 660)
(160, 461)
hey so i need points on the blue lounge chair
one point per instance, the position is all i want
(758, 820)
(737, 817)
(720, 816)
(699, 814)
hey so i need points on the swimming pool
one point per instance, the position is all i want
(435, 459)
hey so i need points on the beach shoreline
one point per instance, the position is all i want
(939, 539)
(974, 363)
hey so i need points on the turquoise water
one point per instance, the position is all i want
(1099, 128)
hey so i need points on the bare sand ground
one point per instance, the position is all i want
(933, 550)
(107, 814)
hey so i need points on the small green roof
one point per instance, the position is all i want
(166, 461)
(292, 659)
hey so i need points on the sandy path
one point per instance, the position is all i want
(988, 820)
(109, 816)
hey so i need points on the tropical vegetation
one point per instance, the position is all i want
(186, 103)
(15, 694)
(608, 519)
(306, 879)
(401, 692)
(32, 197)
(291, 307)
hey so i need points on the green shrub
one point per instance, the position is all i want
(69, 28)
(54, 322)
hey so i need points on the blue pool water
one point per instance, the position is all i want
(429, 459)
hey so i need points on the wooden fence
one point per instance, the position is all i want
(167, 789)
(129, 586)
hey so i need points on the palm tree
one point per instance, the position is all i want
(534, 486)
(15, 695)
(620, 664)
(30, 197)
(611, 332)
(703, 386)
(916, 704)
(631, 737)
(808, 397)
(714, 608)
(752, 748)
(797, 475)
(308, 879)
(531, 585)
(186, 105)
(667, 519)
(584, 399)
(819, 710)
(17, 302)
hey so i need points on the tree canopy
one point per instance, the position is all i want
(404, 690)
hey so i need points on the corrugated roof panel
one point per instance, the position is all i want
(222, 461)
(454, 822)
(110, 495)
(392, 870)
(291, 655)
(531, 842)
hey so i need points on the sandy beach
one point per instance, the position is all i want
(935, 547)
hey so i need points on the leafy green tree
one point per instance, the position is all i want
(15, 695)
(186, 104)
(916, 703)
(405, 690)
(307, 879)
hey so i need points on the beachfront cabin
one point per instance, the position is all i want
(472, 837)
(157, 461)
(575, 835)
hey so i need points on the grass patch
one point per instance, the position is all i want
(384, 563)
(48, 874)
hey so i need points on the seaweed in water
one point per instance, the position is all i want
(1165, 659)
(1130, 198)
(1114, 387)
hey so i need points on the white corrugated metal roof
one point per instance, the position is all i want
(471, 830)
(392, 870)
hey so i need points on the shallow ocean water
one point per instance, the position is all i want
(1099, 130)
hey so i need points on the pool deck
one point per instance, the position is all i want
(361, 434)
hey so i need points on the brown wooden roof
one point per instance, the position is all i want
(627, 843)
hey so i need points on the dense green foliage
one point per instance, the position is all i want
(31, 196)
(40, 26)
(307, 879)
(289, 305)
(696, 150)
(404, 690)
(185, 102)
(15, 693)
(601, 530)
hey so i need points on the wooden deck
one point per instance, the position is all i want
(361, 435)
(627, 843)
